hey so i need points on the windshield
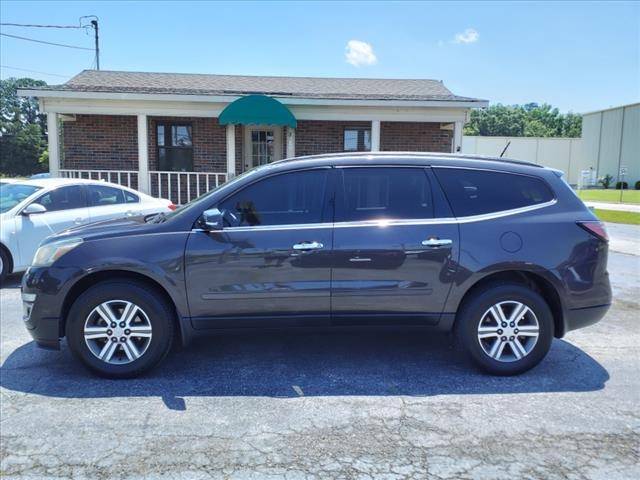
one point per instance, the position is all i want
(11, 194)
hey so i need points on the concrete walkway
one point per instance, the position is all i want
(624, 239)
(622, 207)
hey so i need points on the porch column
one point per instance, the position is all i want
(375, 135)
(231, 151)
(291, 142)
(53, 136)
(143, 155)
(457, 137)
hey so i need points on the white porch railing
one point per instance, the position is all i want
(182, 187)
(128, 178)
(179, 187)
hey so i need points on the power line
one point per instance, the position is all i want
(39, 26)
(34, 71)
(46, 43)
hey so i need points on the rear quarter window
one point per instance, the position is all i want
(476, 192)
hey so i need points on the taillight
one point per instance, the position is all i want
(596, 229)
(172, 206)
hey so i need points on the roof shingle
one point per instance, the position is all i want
(233, 85)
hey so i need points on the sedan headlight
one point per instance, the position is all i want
(49, 253)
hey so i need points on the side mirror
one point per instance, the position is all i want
(212, 220)
(33, 209)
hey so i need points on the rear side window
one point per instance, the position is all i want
(286, 199)
(384, 193)
(100, 195)
(475, 192)
(131, 197)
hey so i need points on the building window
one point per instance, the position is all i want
(357, 140)
(175, 147)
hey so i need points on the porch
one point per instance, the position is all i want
(180, 158)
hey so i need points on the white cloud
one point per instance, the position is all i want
(470, 35)
(359, 53)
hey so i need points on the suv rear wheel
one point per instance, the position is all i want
(120, 329)
(507, 329)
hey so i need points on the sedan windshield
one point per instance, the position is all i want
(11, 194)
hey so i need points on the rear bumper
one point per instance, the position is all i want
(583, 317)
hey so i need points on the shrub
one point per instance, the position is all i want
(606, 181)
(638, 185)
(622, 185)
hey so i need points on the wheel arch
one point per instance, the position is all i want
(9, 256)
(92, 279)
(533, 280)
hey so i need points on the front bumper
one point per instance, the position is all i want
(43, 293)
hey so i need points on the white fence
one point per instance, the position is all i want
(565, 154)
(179, 187)
(182, 187)
(128, 178)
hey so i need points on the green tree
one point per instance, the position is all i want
(529, 120)
(22, 129)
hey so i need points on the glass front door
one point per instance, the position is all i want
(262, 145)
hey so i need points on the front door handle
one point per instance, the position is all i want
(437, 242)
(307, 246)
(78, 221)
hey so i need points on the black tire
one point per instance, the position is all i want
(5, 265)
(472, 312)
(160, 315)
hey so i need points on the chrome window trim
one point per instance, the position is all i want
(391, 223)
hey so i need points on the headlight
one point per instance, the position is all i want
(49, 253)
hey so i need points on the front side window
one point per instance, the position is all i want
(384, 193)
(357, 140)
(63, 198)
(476, 192)
(286, 199)
(175, 147)
(101, 195)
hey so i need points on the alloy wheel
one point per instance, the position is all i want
(508, 331)
(117, 332)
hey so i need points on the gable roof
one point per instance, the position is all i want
(233, 85)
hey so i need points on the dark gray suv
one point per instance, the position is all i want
(500, 252)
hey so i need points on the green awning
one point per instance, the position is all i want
(257, 110)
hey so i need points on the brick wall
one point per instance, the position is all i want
(414, 137)
(110, 141)
(100, 142)
(319, 136)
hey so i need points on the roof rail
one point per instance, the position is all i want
(461, 156)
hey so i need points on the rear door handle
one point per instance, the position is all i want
(437, 242)
(307, 246)
(78, 221)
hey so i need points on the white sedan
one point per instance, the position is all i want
(31, 210)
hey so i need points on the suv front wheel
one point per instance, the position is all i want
(507, 329)
(120, 329)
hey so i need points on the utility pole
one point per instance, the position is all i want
(94, 23)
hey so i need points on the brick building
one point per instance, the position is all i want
(179, 135)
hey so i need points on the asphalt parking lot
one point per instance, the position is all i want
(332, 405)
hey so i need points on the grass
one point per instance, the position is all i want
(616, 216)
(610, 195)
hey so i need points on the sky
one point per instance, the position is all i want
(577, 56)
